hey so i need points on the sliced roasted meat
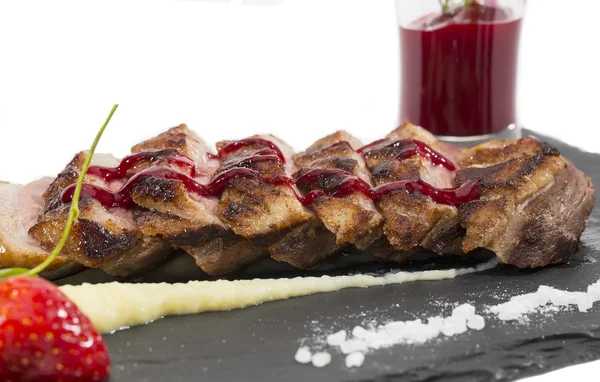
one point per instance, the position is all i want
(19, 208)
(102, 237)
(351, 216)
(546, 227)
(173, 212)
(327, 166)
(259, 204)
(533, 203)
(414, 220)
(230, 210)
(184, 217)
(504, 185)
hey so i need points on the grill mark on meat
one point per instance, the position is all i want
(338, 222)
(410, 219)
(185, 219)
(516, 216)
(529, 166)
(98, 243)
(256, 210)
(546, 228)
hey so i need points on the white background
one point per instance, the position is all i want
(296, 68)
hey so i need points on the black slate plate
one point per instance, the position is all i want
(258, 343)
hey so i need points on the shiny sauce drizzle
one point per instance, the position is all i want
(238, 145)
(348, 184)
(315, 180)
(122, 197)
(409, 148)
(171, 156)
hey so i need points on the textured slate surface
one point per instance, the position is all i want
(258, 343)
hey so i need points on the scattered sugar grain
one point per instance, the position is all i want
(355, 359)
(321, 359)
(303, 355)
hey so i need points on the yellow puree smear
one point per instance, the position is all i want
(113, 306)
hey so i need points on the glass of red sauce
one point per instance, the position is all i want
(459, 67)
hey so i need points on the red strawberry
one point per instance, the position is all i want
(44, 336)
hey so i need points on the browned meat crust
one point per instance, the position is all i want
(338, 222)
(411, 220)
(546, 228)
(259, 211)
(532, 210)
(306, 245)
(101, 238)
(225, 254)
(504, 185)
(188, 220)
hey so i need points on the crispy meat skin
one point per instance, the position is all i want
(533, 209)
(494, 152)
(259, 211)
(504, 186)
(101, 238)
(352, 219)
(411, 220)
(187, 220)
(546, 228)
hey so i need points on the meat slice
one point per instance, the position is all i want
(339, 221)
(184, 218)
(546, 228)
(534, 204)
(413, 220)
(505, 184)
(19, 207)
(259, 208)
(171, 211)
(105, 238)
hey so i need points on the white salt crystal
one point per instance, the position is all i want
(454, 325)
(360, 332)
(354, 345)
(355, 359)
(476, 322)
(465, 311)
(519, 306)
(395, 329)
(321, 359)
(303, 355)
(546, 300)
(336, 339)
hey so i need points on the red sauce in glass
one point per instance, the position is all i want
(459, 71)
(409, 148)
(238, 145)
(171, 156)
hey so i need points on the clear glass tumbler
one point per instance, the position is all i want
(459, 67)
